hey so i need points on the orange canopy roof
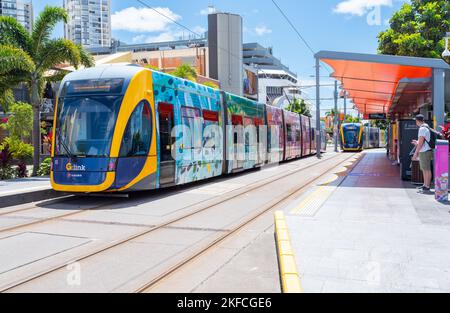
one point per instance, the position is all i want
(372, 80)
(372, 86)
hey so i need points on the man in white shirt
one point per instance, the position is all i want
(424, 153)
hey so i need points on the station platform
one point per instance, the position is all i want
(24, 190)
(368, 231)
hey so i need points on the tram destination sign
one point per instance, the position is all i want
(377, 116)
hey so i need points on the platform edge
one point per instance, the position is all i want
(289, 275)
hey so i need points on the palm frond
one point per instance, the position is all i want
(6, 99)
(55, 52)
(14, 59)
(44, 25)
(86, 58)
(56, 77)
(12, 33)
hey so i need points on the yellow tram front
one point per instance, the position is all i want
(352, 137)
(104, 131)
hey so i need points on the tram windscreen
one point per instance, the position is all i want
(85, 125)
(351, 136)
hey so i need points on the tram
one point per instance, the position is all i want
(356, 137)
(352, 137)
(123, 128)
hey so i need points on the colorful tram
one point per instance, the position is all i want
(356, 137)
(127, 128)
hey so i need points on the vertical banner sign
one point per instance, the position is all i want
(441, 170)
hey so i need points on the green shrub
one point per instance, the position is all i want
(6, 171)
(210, 85)
(44, 168)
(20, 151)
(20, 123)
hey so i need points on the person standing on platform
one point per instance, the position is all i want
(424, 153)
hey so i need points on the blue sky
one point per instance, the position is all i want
(342, 25)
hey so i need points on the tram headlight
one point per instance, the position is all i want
(112, 165)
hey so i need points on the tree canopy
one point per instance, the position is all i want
(185, 71)
(299, 106)
(417, 29)
(28, 57)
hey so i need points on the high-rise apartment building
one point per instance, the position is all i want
(22, 10)
(89, 22)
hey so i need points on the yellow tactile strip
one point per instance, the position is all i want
(311, 204)
(290, 277)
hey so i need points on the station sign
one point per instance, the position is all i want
(377, 116)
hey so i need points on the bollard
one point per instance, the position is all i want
(441, 170)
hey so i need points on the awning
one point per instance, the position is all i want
(379, 83)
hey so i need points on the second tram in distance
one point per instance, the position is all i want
(356, 137)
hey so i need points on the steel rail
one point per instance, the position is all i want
(271, 206)
(229, 196)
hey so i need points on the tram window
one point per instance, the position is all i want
(191, 119)
(289, 132)
(137, 136)
(258, 124)
(237, 120)
(211, 116)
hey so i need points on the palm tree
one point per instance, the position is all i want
(332, 113)
(185, 71)
(45, 54)
(15, 65)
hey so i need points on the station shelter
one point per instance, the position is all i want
(393, 87)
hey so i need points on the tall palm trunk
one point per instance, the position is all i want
(36, 134)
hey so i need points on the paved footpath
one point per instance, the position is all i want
(23, 190)
(371, 232)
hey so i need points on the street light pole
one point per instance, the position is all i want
(318, 140)
(446, 52)
(345, 104)
(335, 116)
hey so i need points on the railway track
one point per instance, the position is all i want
(292, 193)
(48, 219)
(213, 204)
(82, 211)
(33, 206)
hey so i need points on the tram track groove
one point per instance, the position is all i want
(224, 198)
(34, 205)
(53, 218)
(270, 207)
(77, 212)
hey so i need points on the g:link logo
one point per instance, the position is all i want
(73, 167)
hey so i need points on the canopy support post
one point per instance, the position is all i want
(438, 97)
(336, 117)
(318, 137)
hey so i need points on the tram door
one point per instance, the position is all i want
(166, 142)
(238, 144)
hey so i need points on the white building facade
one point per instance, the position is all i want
(22, 10)
(273, 78)
(89, 22)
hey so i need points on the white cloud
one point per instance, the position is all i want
(262, 30)
(208, 10)
(199, 30)
(360, 7)
(143, 19)
(169, 35)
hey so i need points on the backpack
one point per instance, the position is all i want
(434, 136)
